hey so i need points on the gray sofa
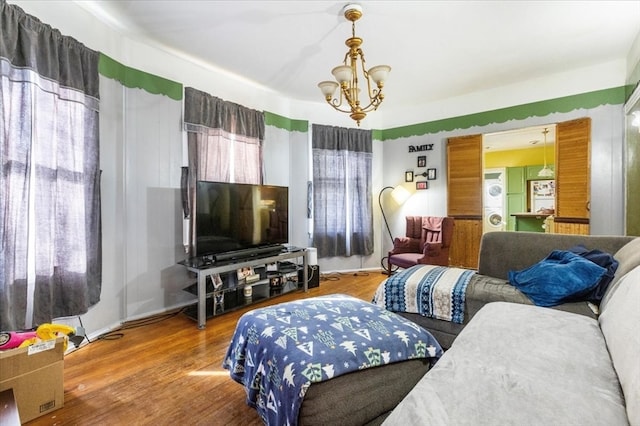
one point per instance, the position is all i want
(517, 364)
(501, 252)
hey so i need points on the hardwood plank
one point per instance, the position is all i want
(169, 372)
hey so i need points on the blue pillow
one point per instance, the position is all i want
(560, 277)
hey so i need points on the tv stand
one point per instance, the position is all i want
(205, 267)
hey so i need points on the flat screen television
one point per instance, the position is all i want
(232, 217)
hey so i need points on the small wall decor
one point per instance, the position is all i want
(418, 148)
(431, 174)
(422, 185)
(422, 161)
(408, 176)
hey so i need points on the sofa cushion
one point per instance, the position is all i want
(620, 324)
(561, 276)
(519, 365)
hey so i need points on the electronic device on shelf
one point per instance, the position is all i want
(238, 220)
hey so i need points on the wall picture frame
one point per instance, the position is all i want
(408, 176)
(431, 174)
(422, 185)
(422, 161)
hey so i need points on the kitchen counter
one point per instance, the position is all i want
(532, 222)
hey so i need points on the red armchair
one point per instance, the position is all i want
(427, 241)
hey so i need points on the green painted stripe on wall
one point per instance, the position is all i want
(285, 123)
(133, 78)
(589, 100)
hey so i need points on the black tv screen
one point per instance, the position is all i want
(238, 216)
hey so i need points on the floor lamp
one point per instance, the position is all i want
(400, 195)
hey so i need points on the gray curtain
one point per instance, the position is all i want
(218, 131)
(342, 212)
(50, 261)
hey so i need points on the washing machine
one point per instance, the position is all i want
(493, 200)
(493, 220)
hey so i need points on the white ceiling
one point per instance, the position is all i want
(437, 49)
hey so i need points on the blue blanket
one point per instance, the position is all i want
(431, 291)
(560, 277)
(277, 352)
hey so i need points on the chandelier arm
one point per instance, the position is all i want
(346, 55)
(337, 108)
(373, 93)
(337, 103)
(373, 105)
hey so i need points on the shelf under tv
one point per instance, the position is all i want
(233, 297)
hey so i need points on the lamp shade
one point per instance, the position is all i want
(400, 194)
(342, 73)
(545, 172)
(354, 92)
(379, 73)
(328, 88)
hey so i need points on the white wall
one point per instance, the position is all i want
(607, 174)
(286, 163)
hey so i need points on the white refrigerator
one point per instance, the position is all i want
(542, 195)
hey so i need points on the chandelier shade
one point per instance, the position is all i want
(348, 99)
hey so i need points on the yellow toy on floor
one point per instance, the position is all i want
(49, 332)
(21, 339)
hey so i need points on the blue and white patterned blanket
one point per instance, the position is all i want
(277, 352)
(431, 291)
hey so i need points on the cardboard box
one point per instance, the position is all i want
(35, 374)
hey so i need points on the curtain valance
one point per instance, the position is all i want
(341, 139)
(57, 57)
(204, 110)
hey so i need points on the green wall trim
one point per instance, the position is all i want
(285, 123)
(133, 78)
(588, 100)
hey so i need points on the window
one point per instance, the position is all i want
(224, 145)
(50, 190)
(343, 218)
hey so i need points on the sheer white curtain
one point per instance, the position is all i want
(50, 191)
(217, 155)
(343, 216)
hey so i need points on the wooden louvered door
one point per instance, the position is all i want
(573, 188)
(464, 195)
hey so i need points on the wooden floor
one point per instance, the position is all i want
(167, 372)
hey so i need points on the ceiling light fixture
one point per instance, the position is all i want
(545, 171)
(347, 75)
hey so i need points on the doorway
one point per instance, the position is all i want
(512, 160)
